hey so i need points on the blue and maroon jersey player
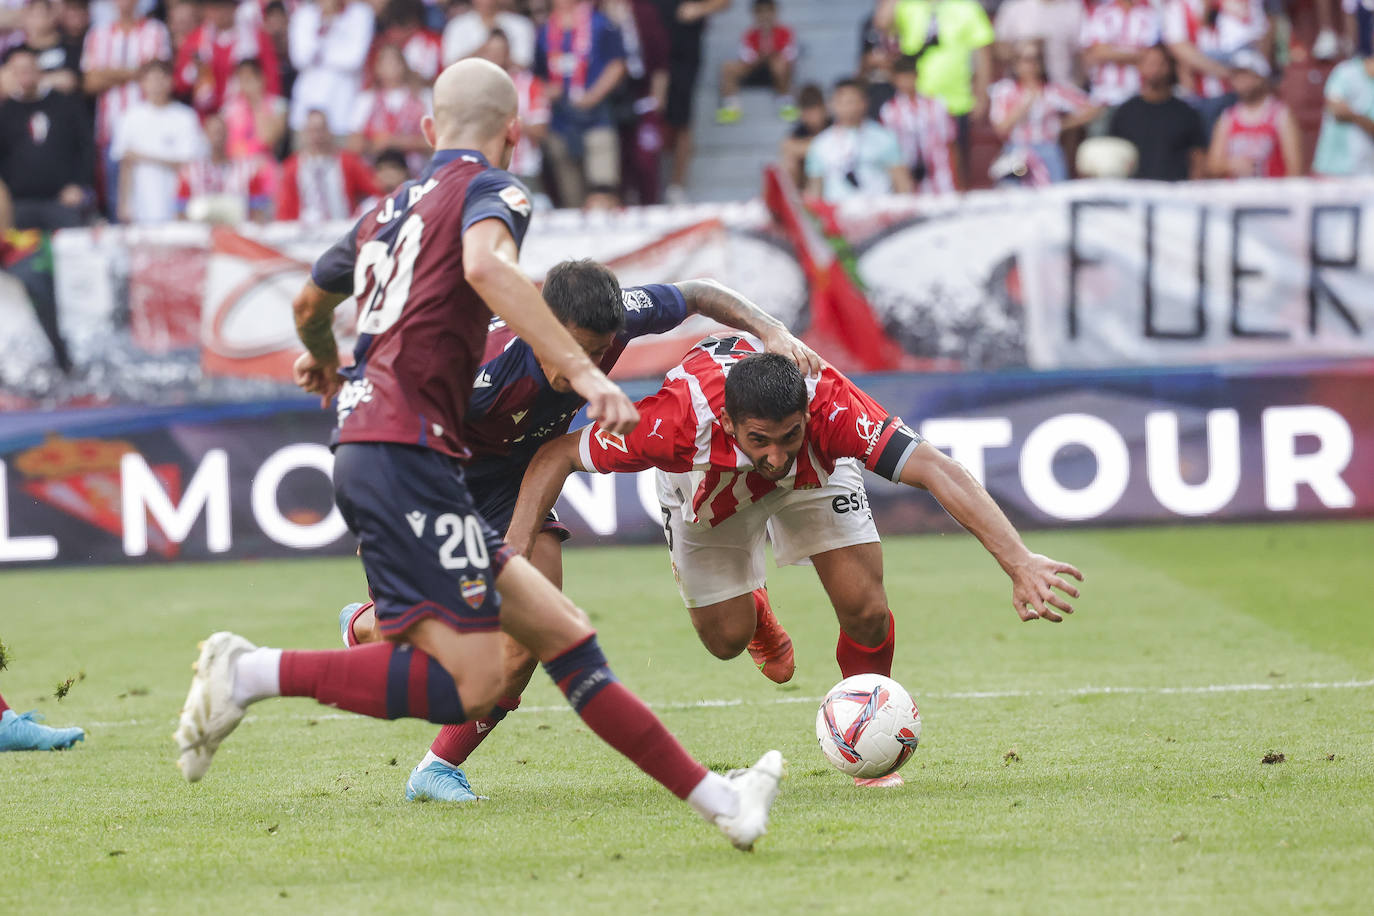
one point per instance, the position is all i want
(422, 328)
(514, 410)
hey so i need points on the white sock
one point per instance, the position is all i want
(431, 757)
(713, 797)
(257, 676)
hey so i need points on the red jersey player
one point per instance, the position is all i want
(431, 262)
(748, 449)
(517, 405)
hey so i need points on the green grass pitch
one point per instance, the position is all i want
(1037, 788)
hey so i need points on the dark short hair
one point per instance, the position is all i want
(251, 63)
(771, 4)
(904, 64)
(585, 294)
(849, 82)
(393, 157)
(276, 6)
(811, 96)
(155, 64)
(1169, 58)
(765, 386)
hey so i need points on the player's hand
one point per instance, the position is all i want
(1033, 585)
(606, 403)
(781, 341)
(316, 378)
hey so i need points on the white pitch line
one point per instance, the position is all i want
(1205, 689)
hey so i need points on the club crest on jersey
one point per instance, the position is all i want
(353, 395)
(868, 429)
(474, 591)
(611, 440)
(636, 300)
(515, 199)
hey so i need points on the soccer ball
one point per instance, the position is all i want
(868, 725)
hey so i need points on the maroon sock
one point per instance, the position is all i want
(455, 743)
(3, 705)
(381, 679)
(621, 719)
(857, 659)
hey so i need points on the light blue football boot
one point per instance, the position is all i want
(21, 732)
(346, 623)
(437, 781)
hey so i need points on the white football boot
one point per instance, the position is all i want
(757, 788)
(210, 713)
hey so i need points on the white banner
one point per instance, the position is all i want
(1081, 275)
(1114, 274)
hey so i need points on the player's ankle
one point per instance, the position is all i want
(714, 797)
(431, 757)
(257, 676)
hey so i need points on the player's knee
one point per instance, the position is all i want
(726, 641)
(365, 627)
(867, 617)
(479, 695)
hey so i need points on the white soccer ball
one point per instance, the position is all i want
(868, 726)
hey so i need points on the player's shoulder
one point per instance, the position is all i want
(830, 386)
(499, 183)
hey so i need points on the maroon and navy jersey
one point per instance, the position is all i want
(680, 432)
(513, 409)
(421, 327)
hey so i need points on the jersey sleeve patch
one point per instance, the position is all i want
(498, 195)
(516, 198)
(653, 309)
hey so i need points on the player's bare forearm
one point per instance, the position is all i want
(1033, 577)
(317, 370)
(544, 479)
(720, 303)
(314, 312)
(967, 501)
(490, 264)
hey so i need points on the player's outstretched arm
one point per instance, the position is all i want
(1033, 577)
(544, 479)
(317, 369)
(491, 266)
(720, 303)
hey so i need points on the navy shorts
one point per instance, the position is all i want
(495, 498)
(426, 549)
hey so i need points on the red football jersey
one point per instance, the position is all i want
(680, 432)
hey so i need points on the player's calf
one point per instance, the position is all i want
(726, 627)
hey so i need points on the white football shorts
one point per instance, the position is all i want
(715, 564)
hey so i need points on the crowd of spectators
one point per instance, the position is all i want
(1166, 90)
(146, 111)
